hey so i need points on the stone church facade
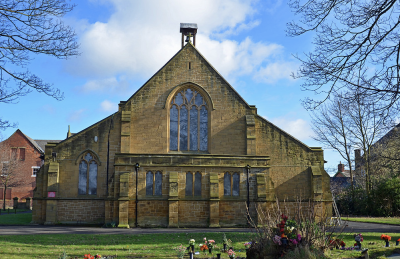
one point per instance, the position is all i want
(185, 150)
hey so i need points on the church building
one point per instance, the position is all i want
(185, 150)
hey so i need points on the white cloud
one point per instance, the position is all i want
(110, 84)
(275, 71)
(108, 106)
(298, 128)
(76, 115)
(141, 36)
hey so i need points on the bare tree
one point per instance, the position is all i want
(330, 125)
(9, 168)
(368, 126)
(343, 125)
(29, 27)
(357, 48)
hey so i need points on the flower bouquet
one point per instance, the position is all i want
(387, 238)
(342, 244)
(180, 251)
(247, 245)
(231, 253)
(203, 248)
(191, 245)
(358, 238)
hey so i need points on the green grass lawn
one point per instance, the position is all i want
(389, 220)
(372, 241)
(15, 219)
(124, 246)
(153, 245)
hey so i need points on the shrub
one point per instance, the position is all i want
(305, 231)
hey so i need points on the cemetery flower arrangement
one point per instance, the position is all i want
(226, 241)
(180, 251)
(231, 253)
(386, 237)
(191, 242)
(210, 243)
(342, 244)
(358, 237)
(88, 256)
(203, 247)
(277, 240)
(247, 245)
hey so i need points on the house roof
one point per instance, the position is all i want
(345, 173)
(42, 143)
(38, 144)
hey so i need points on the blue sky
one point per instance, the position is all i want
(123, 43)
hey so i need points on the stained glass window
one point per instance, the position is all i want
(189, 184)
(158, 184)
(193, 179)
(149, 183)
(153, 183)
(188, 122)
(82, 177)
(87, 182)
(231, 184)
(197, 184)
(227, 184)
(235, 184)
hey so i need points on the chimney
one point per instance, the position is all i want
(190, 30)
(69, 132)
(341, 167)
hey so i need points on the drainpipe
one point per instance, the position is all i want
(136, 209)
(248, 194)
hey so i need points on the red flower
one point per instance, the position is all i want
(204, 247)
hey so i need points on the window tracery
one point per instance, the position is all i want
(87, 175)
(188, 122)
(231, 184)
(193, 184)
(153, 183)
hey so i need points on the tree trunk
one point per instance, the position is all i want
(4, 197)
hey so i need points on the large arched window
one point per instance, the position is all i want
(87, 175)
(188, 122)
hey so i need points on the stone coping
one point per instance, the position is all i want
(191, 160)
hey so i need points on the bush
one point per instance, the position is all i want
(306, 232)
(382, 201)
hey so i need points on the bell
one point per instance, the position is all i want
(187, 38)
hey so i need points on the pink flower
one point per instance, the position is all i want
(294, 241)
(299, 237)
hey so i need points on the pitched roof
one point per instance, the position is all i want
(189, 44)
(38, 144)
(345, 173)
(42, 143)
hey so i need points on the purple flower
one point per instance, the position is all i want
(299, 237)
(294, 241)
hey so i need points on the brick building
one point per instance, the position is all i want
(28, 152)
(178, 152)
